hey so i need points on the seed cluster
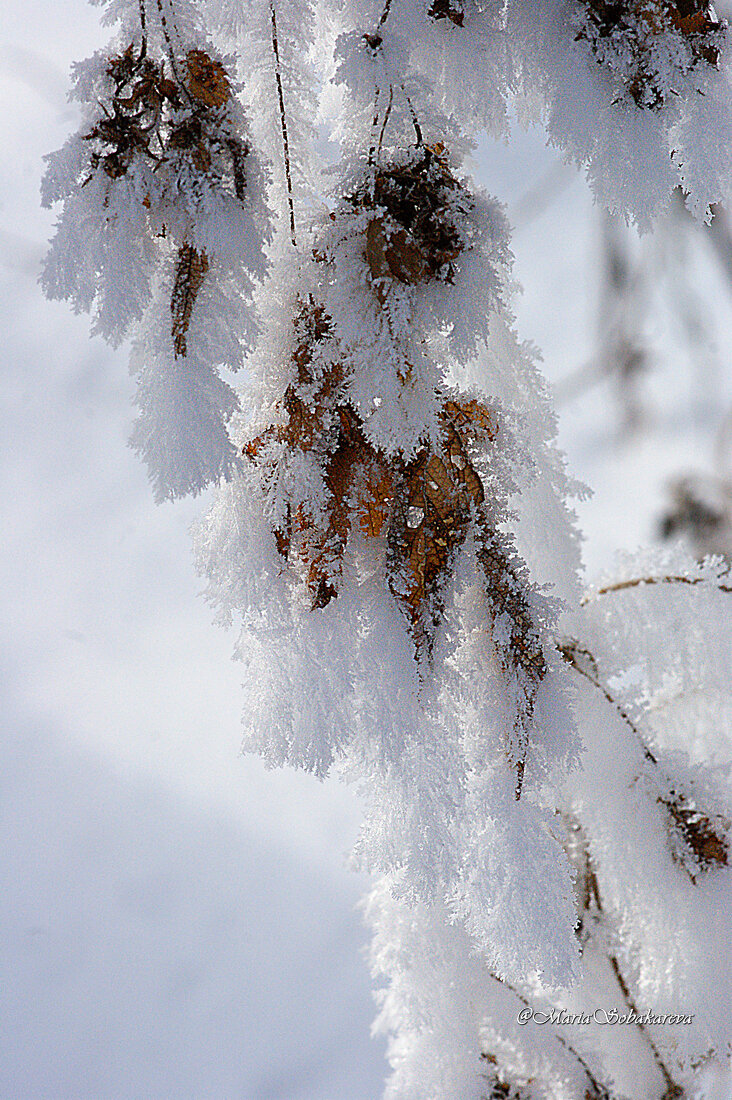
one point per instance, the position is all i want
(173, 116)
(648, 42)
(157, 114)
(415, 234)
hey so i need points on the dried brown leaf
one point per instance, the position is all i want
(189, 275)
(374, 499)
(207, 79)
(392, 253)
(702, 839)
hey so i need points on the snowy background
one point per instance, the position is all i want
(176, 922)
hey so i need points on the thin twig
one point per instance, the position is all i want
(639, 582)
(373, 147)
(385, 13)
(143, 29)
(283, 122)
(171, 50)
(415, 120)
(387, 112)
(570, 650)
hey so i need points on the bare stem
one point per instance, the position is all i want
(415, 120)
(387, 112)
(572, 651)
(143, 29)
(283, 122)
(641, 582)
(171, 49)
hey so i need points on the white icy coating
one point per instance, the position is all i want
(479, 905)
(634, 155)
(246, 28)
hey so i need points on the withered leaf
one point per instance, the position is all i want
(702, 839)
(425, 508)
(393, 255)
(207, 79)
(374, 499)
(431, 517)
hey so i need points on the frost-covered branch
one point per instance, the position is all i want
(391, 525)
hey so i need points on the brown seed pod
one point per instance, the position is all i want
(447, 9)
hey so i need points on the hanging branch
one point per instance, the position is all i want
(283, 122)
(372, 160)
(707, 846)
(385, 13)
(387, 112)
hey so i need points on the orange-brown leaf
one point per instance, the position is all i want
(374, 500)
(207, 79)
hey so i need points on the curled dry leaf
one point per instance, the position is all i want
(152, 116)
(189, 275)
(435, 499)
(374, 499)
(414, 235)
(392, 253)
(318, 422)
